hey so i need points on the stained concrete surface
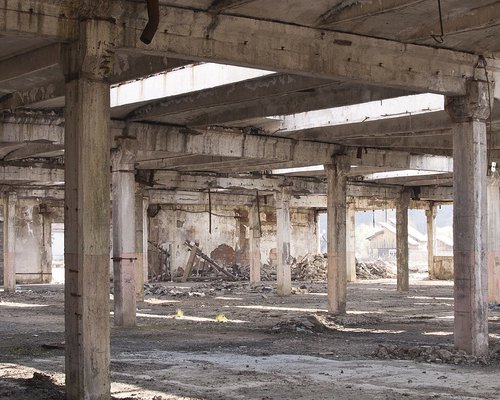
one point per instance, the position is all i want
(263, 351)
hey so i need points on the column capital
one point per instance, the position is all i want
(123, 156)
(475, 105)
(92, 56)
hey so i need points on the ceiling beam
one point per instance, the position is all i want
(219, 6)
(456, 23)
(352, 10)
(35, 150)
(193, 34)
(274, 46)
(228, 143)
(32, 173)
(394, 160)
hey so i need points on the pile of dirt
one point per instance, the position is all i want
(301, 324)
(44, 387)
(431, 354)
(375, 269)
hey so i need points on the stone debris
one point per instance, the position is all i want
(201, 290)
(310, 268)
(432, 354)
(301, 324)
(375, 269)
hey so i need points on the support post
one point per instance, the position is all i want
(87, 220)
(124, 255)
(255, 261)
(430, 214)
(336, 176)
(493, 200)
(9, 241)
(469, 114)
(46, 256)
(145, 238)
(139, 243)
(283, 233)
(402, 251)
(351, 243)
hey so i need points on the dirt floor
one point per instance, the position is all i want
(227, 341)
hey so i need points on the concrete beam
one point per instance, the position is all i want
(398, 160)
(274, 46)
(351, 11)
(35, 150)
(20, 66)
(249, 182)
(276, 94)
(227, 143)
(32, 173)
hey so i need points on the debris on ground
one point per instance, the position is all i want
(45, 387)
(310, 268)
(375, 269)
(431, 354)
(301, 324)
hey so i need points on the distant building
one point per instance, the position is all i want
(383, 244)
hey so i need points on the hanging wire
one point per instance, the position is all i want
(439, 38)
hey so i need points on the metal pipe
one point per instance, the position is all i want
(153, 21)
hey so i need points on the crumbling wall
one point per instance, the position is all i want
(173, 225)
(33, 258)
(304, 234)
(443, 267)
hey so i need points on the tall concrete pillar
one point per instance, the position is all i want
(430, 214)
(139, 244)
(402, 251)
(493, 257)
(46, 256)
(283, 233)
(9, 241)
(124, 231)
(470, 225)
(336, 176)
(255, 261)
(87, 219)
(351, 243)
(145, 239)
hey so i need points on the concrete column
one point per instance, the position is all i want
(124, 255)
(430, 214)
(255, 261)
(493, 257)
(336, 176)
(402, 252)
(46, 256)
(145, 238)
(9, 241)
(87, 219)
(470, 225)
(283, 233)
(351, 243)
(139, 243)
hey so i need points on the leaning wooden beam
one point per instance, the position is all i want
(216, 266)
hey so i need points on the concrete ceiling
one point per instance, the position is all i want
(469, 26)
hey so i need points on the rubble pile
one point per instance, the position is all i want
(201, 290)
(310, 268)
(301, 324)
(375, 269)
(432, 354)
